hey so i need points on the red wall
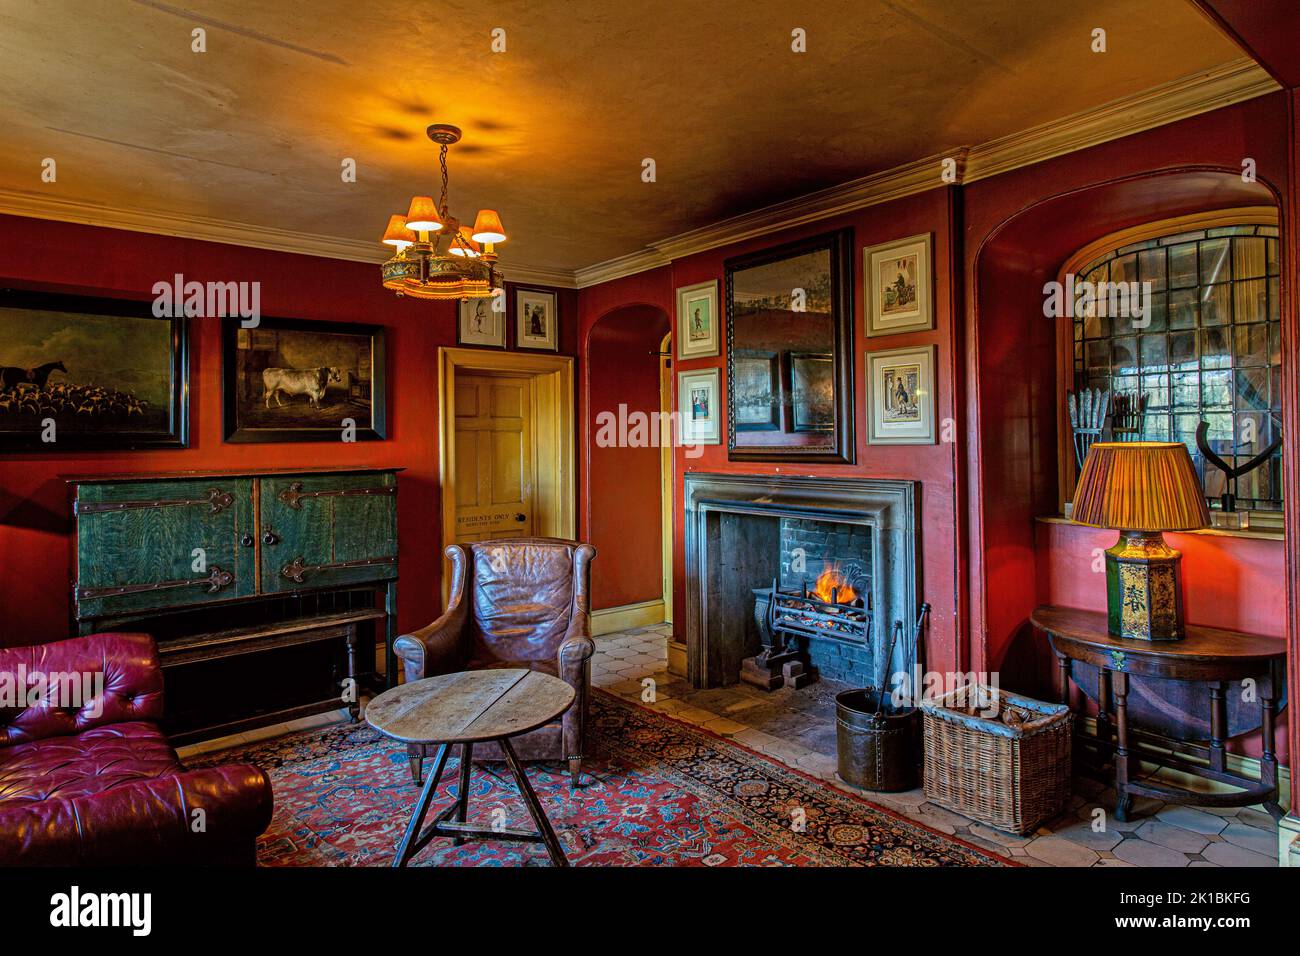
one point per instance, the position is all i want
(34, 510)
(622, 503)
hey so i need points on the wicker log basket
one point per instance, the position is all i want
(997, 757)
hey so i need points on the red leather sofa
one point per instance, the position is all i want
(97, 784)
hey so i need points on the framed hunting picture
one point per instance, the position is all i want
(298, 380)
(86, 373)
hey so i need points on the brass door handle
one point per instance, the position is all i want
(521, 517)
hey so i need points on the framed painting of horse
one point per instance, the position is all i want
(85, 373)
(299, 380)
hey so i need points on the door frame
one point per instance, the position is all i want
(554, 483)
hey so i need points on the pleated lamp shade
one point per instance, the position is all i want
(423, 215)
(397, 234)
(487, 227)
(1140, 486)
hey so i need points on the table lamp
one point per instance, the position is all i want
(1141, 489)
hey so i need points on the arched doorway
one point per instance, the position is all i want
(623, 504)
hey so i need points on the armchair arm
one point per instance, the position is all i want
(438, 648)
(576, 650)
(82, 683)
(144, 822)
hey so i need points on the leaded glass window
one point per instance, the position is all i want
(1212, 350)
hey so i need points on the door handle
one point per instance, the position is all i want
(521, 517)
(246, 540)
(269, 537)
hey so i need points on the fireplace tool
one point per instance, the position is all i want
(878, 746)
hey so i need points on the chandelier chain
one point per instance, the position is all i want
(442, 160)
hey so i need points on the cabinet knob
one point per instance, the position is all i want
(270, 537)
(246, 540)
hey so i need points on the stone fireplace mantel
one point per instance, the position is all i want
(719, 604)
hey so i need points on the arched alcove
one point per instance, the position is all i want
(623, 480)
(1013, 455)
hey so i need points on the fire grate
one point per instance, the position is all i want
(803, 612)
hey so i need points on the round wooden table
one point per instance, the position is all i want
(468, 708)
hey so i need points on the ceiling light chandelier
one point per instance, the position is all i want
(437, 257)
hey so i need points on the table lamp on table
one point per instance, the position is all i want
(1141, 489)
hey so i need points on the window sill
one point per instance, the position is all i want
(1260, 534)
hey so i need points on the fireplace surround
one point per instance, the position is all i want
(736, 540)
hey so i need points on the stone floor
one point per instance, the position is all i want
(798, 729)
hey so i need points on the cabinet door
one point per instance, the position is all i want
(326, 531)
(163, 544)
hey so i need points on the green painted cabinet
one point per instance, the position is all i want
(148, 544)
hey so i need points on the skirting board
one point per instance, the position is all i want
(612, 619)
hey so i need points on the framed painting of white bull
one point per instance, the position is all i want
(86, 373)
(298, 380)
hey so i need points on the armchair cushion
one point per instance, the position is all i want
(522, 596)
(92, 762)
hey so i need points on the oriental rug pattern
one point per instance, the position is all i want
(657, 792)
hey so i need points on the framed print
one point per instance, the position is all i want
(789, 320)
(812, 386)
(896, 283)
(756, 391)
(697, 321)
(84, 373)
(900, 396)
(698, 395)
(299, 380)
(477, 323)
(536, 323)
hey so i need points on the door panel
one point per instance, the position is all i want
(137, 541)
(494, 457)
(324, 531)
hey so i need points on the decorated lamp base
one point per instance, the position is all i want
(1144, 588)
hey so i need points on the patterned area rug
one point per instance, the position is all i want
(656, 792)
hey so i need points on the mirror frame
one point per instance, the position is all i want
(843, 449)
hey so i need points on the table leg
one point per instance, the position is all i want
(534, 805)
(462, 795)
(1268, 759)
(1123, 802)
(1218, 725)
(354, 706)
(1063, 668)
(404, 851)
(1103, 711)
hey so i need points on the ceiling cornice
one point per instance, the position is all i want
(1189, 96)
(38, 205)
(1199, 93)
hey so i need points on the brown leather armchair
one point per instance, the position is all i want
(528, 605)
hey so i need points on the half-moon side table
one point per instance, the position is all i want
(468, 708)
(1206, 654)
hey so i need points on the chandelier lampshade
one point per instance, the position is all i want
(437, 257)
(397, 234)
(487, 227)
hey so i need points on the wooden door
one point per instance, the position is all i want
(495, 467)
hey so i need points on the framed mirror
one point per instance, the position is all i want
(789, 356)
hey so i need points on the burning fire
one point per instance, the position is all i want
(833, 587)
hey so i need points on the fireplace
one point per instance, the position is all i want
(749, 537)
